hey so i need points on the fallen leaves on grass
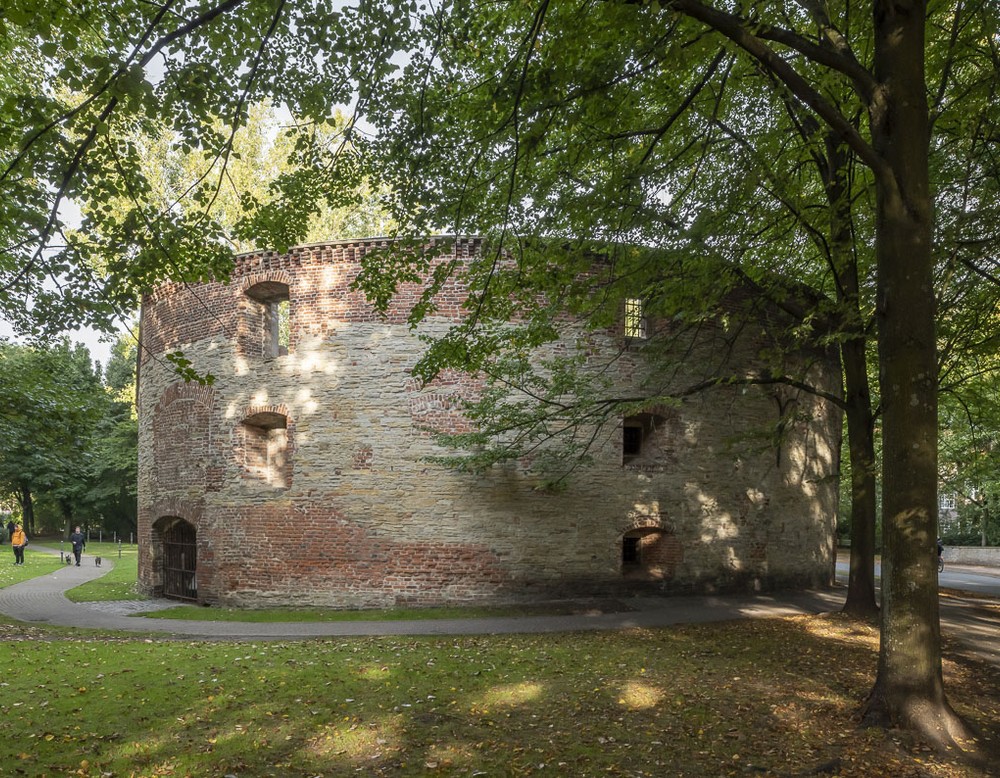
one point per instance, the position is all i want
(777, 697)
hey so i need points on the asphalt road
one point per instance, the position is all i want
(982, 581)
(970, 611)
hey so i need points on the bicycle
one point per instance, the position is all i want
(940, 562)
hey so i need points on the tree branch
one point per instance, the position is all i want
(715, 383)
(739, 31)
(88, 140)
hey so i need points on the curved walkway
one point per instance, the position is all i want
(975, 624)
(42, 600)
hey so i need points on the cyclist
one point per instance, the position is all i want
(940, 551)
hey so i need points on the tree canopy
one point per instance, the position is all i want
(69, 436)
(117, 77)
(51, 402)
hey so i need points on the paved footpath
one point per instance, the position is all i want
(42, 600)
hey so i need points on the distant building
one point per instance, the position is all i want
(948, 503)
(301, 475)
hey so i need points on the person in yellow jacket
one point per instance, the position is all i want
(18, 541)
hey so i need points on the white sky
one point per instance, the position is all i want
(69, 212)
(101, 352)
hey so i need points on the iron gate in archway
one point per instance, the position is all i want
(180, 558)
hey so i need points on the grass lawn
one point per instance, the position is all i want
(36, 563)
(755, 697)
(777, 697)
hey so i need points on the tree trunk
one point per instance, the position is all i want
(853, 355)
(861, 601)
(67, 511)
(909, 689)
(27, 510)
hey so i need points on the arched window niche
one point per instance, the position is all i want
(650, 553)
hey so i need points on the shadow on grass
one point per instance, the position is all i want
(765, 697)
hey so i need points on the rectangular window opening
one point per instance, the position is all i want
(635, 319)
(277, 324)
(631, 443)
(266, 448)
(270, 317)
(281, 313)
(630, 551)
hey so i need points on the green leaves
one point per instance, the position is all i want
(52, 400)
(185, 370)
(68, 442)
(94, 91)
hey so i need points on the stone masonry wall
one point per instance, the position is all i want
(306, 480)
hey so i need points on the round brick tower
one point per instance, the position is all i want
(301, 475)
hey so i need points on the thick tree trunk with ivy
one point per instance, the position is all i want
(908, 688)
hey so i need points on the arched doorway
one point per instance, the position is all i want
(649, 554)
(180, 560)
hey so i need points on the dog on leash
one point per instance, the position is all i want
(69, 559)
(97, 561)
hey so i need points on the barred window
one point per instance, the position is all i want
(636, 325)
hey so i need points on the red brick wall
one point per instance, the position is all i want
(289, 553)
(320, 279)
(182, 433)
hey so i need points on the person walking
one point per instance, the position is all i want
(18, 541)
(79, 543)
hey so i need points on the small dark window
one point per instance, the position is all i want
(631, 442)
(642, 439)
(630, 551)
